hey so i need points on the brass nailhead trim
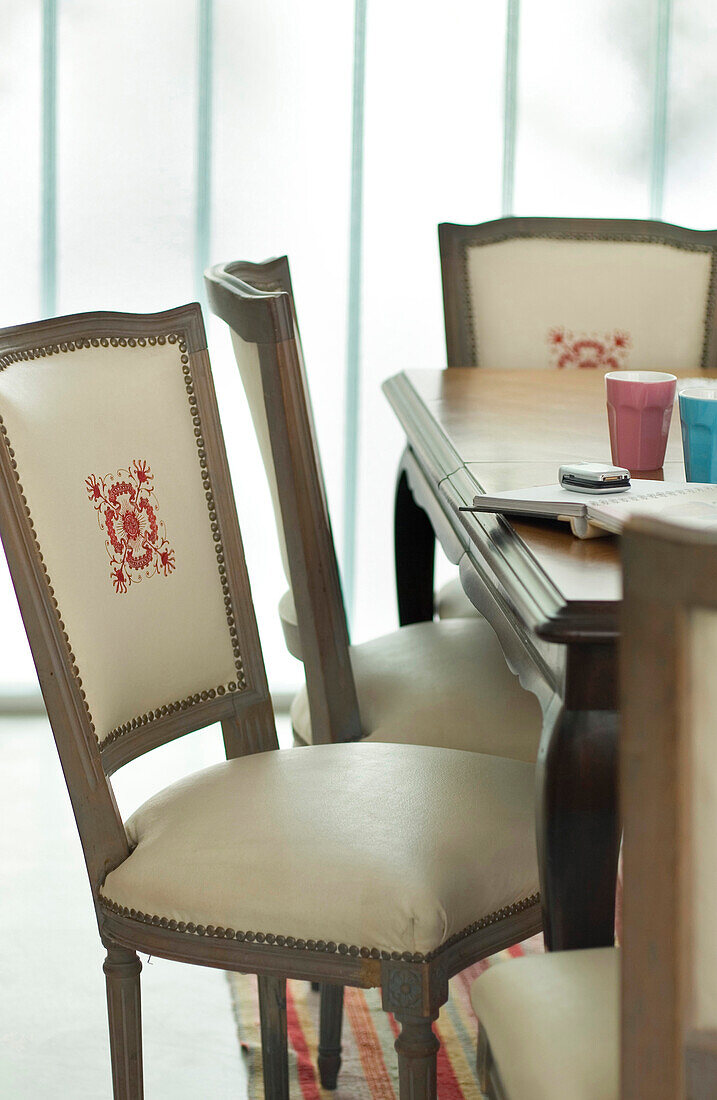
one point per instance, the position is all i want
(181, 704)
(329, 947)
(630, 238)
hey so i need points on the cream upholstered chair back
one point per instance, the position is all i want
(118, 521)
(669, 794)
(256, 301)
(579, 293)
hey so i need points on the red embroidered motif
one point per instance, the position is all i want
(127, 511)
(609, 352)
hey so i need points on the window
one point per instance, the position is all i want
(146, 139)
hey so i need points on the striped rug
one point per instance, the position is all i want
(369, 1069)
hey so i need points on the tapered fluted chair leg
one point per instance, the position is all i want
(417, 1048)
(122, 970)
(330, 1021)
(274, 1048)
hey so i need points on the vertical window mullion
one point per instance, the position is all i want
(353, 338)
(203, 186)
(48, 281)
(510, 105)
(659, 107)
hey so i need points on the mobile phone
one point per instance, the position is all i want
(593, 477)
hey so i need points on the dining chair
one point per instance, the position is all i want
(359, 864)
(574, 294)
(641, 1020)
(437, 684)
(443, 684)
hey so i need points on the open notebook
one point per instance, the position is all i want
(692, 505)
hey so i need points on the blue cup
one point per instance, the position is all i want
(698, 416)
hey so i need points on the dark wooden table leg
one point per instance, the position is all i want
(415, 550)
(578, 827)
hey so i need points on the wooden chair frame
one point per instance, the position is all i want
(413, 985)
(256, 301)
(455, 240)
(246, 715)
(669, 572)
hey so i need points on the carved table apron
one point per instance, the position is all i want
(553, 600)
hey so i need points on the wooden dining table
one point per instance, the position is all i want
(553, 600)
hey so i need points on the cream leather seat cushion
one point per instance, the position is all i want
(378, 846)
(452, 602)
(444, 684)
(290, 624)
(553, 1024)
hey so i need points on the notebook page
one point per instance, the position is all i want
(554, 500)
(689, 506)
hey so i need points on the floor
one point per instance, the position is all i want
(53, 1030)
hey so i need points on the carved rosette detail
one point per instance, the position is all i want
(405, 990)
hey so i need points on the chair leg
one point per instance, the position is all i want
(122, 969)
(274, 1049)
(487, 1074)
(417, 1047)
(330, 1021)
(483, 1060)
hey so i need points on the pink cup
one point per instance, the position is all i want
(639, 410)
